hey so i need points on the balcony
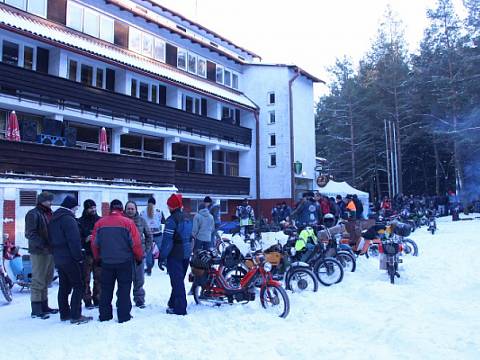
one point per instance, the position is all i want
(211, 184)
(43, 88)
(48, 160)
(24, 158)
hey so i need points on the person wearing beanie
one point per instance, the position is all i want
(86, 223)
(64, 236)
(214, 210)
(117, 244)
(176, 248)
(154, 219)
(36, 231)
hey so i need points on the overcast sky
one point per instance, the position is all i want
(308, 33)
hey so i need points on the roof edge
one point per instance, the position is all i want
(295, 67)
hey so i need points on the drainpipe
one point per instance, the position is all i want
(292, 147)
(257, 161)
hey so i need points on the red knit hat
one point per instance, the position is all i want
(175, 201)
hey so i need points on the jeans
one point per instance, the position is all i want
(70, 278)
(122, 274)
(177, 269)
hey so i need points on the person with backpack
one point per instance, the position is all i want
(176, 248)
(246, 217)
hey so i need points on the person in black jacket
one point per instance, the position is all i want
(36, 231)
(65, 239)
(359, 206)
(86, 223)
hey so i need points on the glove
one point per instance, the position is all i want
(138, 262)
(160, 264)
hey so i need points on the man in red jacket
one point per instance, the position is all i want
(116, 245)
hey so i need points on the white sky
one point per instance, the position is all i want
(308, 33)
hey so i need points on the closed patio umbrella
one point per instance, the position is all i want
(13, 131)
(102, 140)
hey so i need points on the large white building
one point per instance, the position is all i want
(184, 108)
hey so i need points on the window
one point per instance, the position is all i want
(154, 97)
(28, 57)
(144, 146)
(17, 3)
(182, 59)
(273, 140)
(273, 160)
(192, 63)
(99, 79)
(143, 91)
(86, 75)
(133, 88)
(159, 50)
(28, 198)
(219, 74)
(228, 114)
(147, 48)
(188, 104)
(271, 98)
(192, 105)
(43, 56)
(190, 158)
(235, 81)
(37, 7)
(135, 40)
(139, 199)
(91, 23)
(228, 78)
(74, 16)
(10, 53)
(225, 163)
(72, 70)
(110, 79)
(107, 29)
(59, 195)
(202, 67)
(271, 117)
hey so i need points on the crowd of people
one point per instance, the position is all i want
(116, 249)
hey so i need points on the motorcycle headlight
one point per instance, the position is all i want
(293, 251)
(267, 266)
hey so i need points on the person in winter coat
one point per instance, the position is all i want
(341, 206)
(308, 211)
(358, 207)
(147, 242)
(66, 243)
(116, 244)
(202, 230)
(350, 208)
(176, 248)
(86, 223)
(155, 219)
(214, 209)
(246, 217)
(36, 231)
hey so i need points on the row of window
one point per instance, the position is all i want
(28, 57)
(37, 7)
(98, 25)
(98, 76)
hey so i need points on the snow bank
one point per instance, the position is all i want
(431, 313)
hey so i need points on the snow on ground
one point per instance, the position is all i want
(432, 312)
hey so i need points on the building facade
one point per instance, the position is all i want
(183, 107)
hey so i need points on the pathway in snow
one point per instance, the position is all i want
(433, 312)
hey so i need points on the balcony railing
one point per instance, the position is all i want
(48, 160)
(32, 159)
(64, 93)
(211, 184)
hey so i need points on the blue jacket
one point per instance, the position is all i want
(308, 213)
(177, 241)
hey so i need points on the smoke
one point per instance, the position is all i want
(471, 189)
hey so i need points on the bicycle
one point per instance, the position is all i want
(6, 283)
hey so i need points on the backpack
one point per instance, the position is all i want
(244, 213)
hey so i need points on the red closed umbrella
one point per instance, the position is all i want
(13, 131)
(102, 140)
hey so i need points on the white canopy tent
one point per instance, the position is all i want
(334, 188)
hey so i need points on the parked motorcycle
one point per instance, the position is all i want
(390, 251)
(210, 287)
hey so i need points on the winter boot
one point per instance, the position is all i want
(37, 312)
(81, 320)
(48, 310)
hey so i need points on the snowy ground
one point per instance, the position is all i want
(433, 312)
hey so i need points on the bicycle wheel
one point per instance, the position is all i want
(329, 271)
(348, 262)
(5, 288)
(275, 300)
(373, 250)
(410, 247)
(301, 279)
